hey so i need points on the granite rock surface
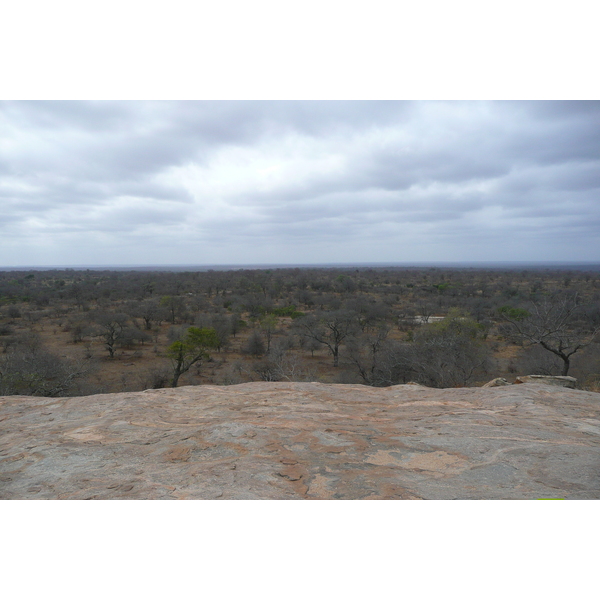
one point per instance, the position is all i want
(304, 441)
(560, 380)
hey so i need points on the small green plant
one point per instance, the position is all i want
(287, 311)
(516, 314)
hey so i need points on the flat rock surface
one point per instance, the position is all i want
(304, 441)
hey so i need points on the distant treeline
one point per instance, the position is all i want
(379, 325)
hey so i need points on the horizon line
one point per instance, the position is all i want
(254, 266)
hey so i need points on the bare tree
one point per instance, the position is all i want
(329, 329)
(222, 326)
(236, 324)
(557, 323)
(268, 325)
(111, 327)
(364, 352)
(283, 365)
(175, 307)
(255, 344)
(155, 378)
(150, 311)
(445, 354)
(449, 353)
(31, 370)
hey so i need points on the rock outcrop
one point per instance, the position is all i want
(559, 380)
(304, 441)
(496, 382)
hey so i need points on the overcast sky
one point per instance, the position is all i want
(164, 183)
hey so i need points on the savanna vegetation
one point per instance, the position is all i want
(77, 332)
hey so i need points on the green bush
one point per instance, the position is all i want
(287, 311)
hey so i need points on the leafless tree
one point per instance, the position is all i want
(329, 329)
(448, 357)
(364, 352)
(34, 371)
(446, 354)
(557, 323)
(255, 344)
(268, 325)
(283, 365)
(111, 327)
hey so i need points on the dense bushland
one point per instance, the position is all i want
(66, 332)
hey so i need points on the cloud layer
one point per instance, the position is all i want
(118, 183)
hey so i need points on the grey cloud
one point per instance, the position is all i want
(574, 177)
(326, 117)
(134, 218)
(442, 169)
(156, 191)
(234, 120)
(558, 109)
(398, 171)
(367, 207)
(555, 132)
(70, 115)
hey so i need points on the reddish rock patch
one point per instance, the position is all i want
(304, 441)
